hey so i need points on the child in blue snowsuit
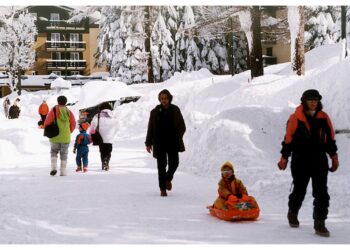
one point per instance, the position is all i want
(82, 141)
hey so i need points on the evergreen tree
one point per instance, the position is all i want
(162, 50)
(17, 34)
(240, 52)
(322, 26)
(122, 43)
(188, 58)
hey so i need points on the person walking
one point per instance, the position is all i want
(43, 111)
(81, 147)
(309, 137)
(15, 109)
(60, 143)
(7, 105)
(105, 122)
(166, 128)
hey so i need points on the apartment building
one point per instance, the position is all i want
(62, 47)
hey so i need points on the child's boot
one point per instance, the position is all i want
(78, 169)
(85, 169)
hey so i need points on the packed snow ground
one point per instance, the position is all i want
(227, 118)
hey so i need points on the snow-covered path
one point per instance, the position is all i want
(227, 120)
(124, 206)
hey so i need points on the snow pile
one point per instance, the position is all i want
(60, 83)
(96, 92)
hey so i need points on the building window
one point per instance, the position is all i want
(34, 73)
(55, 39)
(74, 56)
(73, 73)
(57, 73)
(54, 17)
(56, 55)
(73, 38)
(269, 51)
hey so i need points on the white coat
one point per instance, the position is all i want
(107, 125)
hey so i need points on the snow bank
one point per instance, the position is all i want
(96, 92)
(60, 83)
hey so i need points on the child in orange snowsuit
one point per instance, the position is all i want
(230, 188)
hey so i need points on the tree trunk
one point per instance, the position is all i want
(230, 50)
(343, 26)
(148, 31)
(19, 82)
(256, 60)
(299, 59)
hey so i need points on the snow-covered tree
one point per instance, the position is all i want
(17, 37)
(188, 55)
(162, 50)
(240, 52)
(212, 41)
(296, 26)
(121, 43)
(322, 26)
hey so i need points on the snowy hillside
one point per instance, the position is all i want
(227, 119)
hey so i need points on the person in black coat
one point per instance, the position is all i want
(309, 138)
(166, 128)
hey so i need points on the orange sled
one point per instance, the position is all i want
(236, 211)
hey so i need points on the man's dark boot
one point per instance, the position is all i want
(163, 193)
(293, 218)
(320, 228)
(168, 185)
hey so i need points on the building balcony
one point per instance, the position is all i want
(65, 64)
(65, 46)
(63, 25)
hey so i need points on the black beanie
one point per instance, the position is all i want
(310, 94)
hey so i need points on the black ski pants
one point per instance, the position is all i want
(318, 173)
(164, 158)
(106, 151)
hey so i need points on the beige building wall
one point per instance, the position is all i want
(91, 47)
(42, 55)
(283, 48)
(282, 52)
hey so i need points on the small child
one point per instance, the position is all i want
(81, 147)
(230, 188)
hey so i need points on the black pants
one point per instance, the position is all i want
(164, 158)
(105, 151)
(301, 176)
(43, 118)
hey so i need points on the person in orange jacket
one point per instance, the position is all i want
(231, 189)
(43, 111)
(309, 138)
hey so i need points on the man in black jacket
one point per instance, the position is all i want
(166, 128)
